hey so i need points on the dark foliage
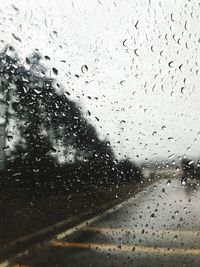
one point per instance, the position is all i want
(39, 115)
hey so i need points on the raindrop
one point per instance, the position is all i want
(190, 162)
(84, 69)
(55, 71)
(16, 37)
(152, 216)
(14, 7)
(124, 42)
(163, 190)
(171, 16)
(180, 67)
(170, 64)
(122, 82)
(135, 51)
(54, 35)
(38, 90)
(108, 255)
(182, 88)
(168, 182)
(136, 25)
(183, 181)
(185, 26)
(25, 89)
(46, 57)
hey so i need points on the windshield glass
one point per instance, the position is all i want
(99, 136)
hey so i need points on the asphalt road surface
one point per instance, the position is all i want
(158, 227)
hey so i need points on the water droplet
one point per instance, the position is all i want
(136, 52)
(108, 255)
(170, 64)
(122, 82)
(152, 216)
(124, 42)
(163, 190)
(84, 69)
(136, 25)
(16, 37)
(55, 71)
(46, 57)
(183, 181)
(15, 8)
(168, 182)
(38, 90)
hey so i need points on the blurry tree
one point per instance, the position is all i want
(41, 111)
(41, 120)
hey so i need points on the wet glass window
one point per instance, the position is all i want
(99, 133)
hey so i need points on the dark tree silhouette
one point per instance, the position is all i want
(40, 119)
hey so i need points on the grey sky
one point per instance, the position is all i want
(143, 66)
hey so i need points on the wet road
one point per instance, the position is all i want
(158, 227)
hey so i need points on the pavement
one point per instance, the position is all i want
(27, 219)
(159, 226)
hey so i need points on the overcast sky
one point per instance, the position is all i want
(143, 66)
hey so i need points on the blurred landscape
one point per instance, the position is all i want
(54, 166)
(99, 137)
(50, 154)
